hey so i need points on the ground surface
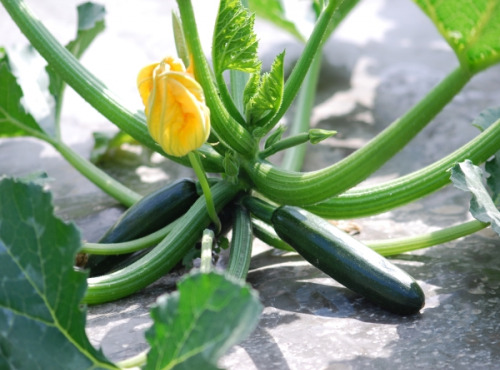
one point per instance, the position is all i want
(383, 59)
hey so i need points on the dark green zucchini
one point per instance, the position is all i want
(348, 261)
(148, 215)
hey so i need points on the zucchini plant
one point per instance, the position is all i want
(226, 129)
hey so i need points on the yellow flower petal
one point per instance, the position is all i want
(145, 82)
(177, 116)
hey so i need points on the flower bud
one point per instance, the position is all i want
(177, 116)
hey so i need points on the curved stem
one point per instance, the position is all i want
(100, 178)
(396, 246)
(266, 233)
(287, 143)
(88, 86)
(240, 253)
(368, 201)
(229, 131)
(299, 72)
(205, 186)
(130, 246)
(312, 187)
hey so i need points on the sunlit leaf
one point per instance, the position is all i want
(42, 325)
(471, 27)
(493, 168)
(486, 118)
(468, 177)
(196, 325)
(275, 12)
(15, 119)
(482, 122)
(234, 43)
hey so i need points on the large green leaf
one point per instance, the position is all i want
(15, 118)
(90, 25)
(42, 325)
(234, 42)
(196, 325)
(468, 177)
(471, 27)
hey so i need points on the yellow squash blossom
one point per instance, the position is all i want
(177, 116)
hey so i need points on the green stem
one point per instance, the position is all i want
(289, 142)
(207, 241)
(259, 208)
(311, 50)
(240, 253)
(228, 100)
(205, 186)
(88, 86)
(228, 130)
(130, 246)
(164, 256)
(294, 158)
(100, 178)
(312, 187)
(266, 233)
(372, 200)
(390, 247)
(401, 245)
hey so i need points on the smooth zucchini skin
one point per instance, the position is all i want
(348, 261)
(148, 215)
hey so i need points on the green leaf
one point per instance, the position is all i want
(90, 25)
(196, 325)
(471, 27)
(468, 177)
(107, 144)
(268, 94)
(493, 168)
(42, 325)
(486, 118)
(15, 119)
(275, 12)
(234, 43)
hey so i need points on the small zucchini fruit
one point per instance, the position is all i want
(348, 261)
(149, 214)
